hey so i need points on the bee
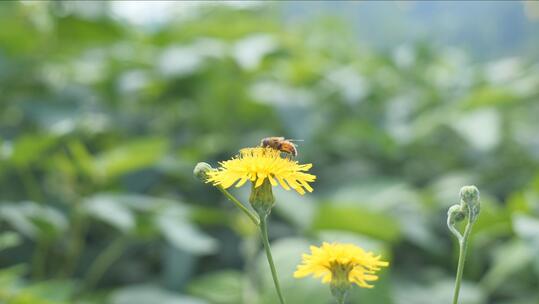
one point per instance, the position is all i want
(281, 144)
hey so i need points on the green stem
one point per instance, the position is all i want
(242, 207)
(339, 291)
(76, 239)
(40, 257)
(463, 245)
(341, 298)
(31, 185)
(103, 261)
(264, 233)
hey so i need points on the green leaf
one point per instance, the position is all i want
(10, 275)
(82, 158)
(527, 228)
(493, 221)
(220, 287)
(509, 259)
(357, 219)
(30, 148)
(144, 294)
(489, 96)
(293, 202)
(9, 239)
(182, 234)
(34, 220)
(438, 290)
(53, 290)
(111, 211)
(130, 157)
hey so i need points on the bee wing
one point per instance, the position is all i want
(295, 140)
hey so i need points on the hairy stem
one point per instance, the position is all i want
(264, 233)
(341, 299)
(463, 245)
(254, 218)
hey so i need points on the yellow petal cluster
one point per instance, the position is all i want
(257, 164)
(329, 259)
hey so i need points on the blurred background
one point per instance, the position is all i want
(105, 108)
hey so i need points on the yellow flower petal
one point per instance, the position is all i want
(257, 164)
(326, 259)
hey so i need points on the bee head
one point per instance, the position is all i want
(265, 142)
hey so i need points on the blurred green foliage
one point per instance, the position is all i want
(102, 122)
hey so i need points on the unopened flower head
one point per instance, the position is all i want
(201, 171)
(469, 196)
(455, 214)
(341, 264)
(257, 165)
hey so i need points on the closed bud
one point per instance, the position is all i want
(201, 171)
(469, 196)
(455, 214)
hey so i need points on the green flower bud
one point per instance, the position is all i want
(469, 196)
(201, 170)
(262, 198)
(455, 214)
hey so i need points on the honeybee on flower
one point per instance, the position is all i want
(264, 167)
(281, 144)
(260, 164)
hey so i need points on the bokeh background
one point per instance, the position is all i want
(105, 108)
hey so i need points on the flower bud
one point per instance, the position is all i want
(455, 214)
(262, 198)
(201, 171)
(469, 196)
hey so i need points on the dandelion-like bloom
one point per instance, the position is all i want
(257, 164)
(346, 263)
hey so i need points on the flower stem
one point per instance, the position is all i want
(341, 299)
(254, 218)
(463, 245)
(264, 233)
(340, 290)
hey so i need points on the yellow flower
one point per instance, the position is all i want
(341, 262)
(257, 164)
